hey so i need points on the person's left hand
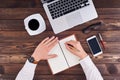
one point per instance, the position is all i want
(42, 50)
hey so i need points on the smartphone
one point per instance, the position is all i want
(94, 46)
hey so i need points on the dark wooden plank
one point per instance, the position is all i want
(106, 4)
(11, 25)
(20, 58)
(59, 77)
(21, 13)
(20, 3)
(48, 77)
(37, 3)
(22, 36)
(111, 47)
(18, 25)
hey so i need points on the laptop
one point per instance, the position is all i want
(66, 14)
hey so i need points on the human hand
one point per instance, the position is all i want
(42, 50)
(76, 48)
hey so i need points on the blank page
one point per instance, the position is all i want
(59, 63)
(71, 58)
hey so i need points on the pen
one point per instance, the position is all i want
(101, 40)
(73, 47)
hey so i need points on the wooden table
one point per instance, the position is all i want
(16, 45)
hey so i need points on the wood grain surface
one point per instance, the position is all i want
(16, 45)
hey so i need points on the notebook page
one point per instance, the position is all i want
(59, 63)
(71, 58)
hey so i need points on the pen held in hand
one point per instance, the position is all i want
(72, 47)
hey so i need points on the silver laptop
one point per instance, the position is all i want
(66, 14)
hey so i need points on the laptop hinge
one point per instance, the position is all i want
(46, 1)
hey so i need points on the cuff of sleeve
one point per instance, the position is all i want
(30, 66)
(86, 62)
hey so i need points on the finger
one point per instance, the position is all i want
(69, 48)
(45, 40)
(72, 42)
(51, 56)
(53, 43)
(48, 41)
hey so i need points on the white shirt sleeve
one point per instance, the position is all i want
(90, 69)
(27, 72)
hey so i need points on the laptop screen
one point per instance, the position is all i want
(46, 1)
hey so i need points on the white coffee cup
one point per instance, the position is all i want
(34, 24)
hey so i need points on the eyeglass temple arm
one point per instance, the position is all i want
(92, 26)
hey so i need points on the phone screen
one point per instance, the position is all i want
(94, 45)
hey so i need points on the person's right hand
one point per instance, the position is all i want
(76, 48)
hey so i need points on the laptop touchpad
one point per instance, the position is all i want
(74, 19)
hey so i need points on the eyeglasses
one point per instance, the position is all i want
(93, 26)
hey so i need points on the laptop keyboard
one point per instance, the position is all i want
(63, 7)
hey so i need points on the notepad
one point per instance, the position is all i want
(65, 59)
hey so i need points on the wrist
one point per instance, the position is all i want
(83, 55)
(35, 57)
(32, 60)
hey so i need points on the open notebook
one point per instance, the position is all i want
(65, 59)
